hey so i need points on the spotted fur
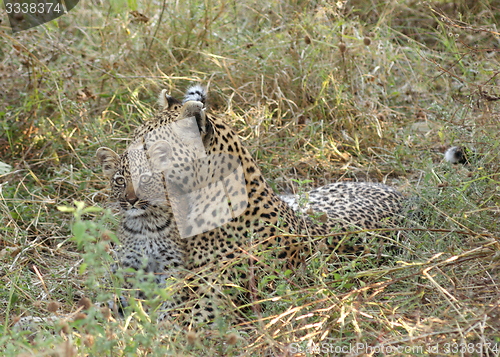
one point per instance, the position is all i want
(147, 193)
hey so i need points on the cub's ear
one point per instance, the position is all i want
(195, 109)
(167, 102)
(109, 161)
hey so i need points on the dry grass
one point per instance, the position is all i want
(317, 90)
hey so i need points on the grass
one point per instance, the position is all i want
(318, 91)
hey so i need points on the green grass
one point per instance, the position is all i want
(382, 112)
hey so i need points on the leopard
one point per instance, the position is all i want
(195, 206)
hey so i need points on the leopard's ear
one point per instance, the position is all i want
(195, 109)
(167, 102)
(109, 161)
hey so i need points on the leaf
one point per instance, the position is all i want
(92, 209)
(65, 209)
(79, 205)
(79, 231)
(83, 267)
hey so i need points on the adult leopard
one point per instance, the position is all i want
(182, 164)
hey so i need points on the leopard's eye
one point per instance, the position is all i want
(120, 180)
(145, 178)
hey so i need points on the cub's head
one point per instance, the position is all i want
(135, 187)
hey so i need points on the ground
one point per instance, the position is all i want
(319, 93)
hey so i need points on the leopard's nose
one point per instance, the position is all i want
(130, 196)
(132, 201)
